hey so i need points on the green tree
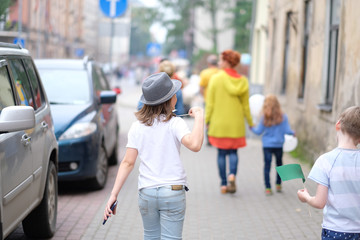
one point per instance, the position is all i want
(141, 20)
(4, 5)
(241, 22)
(239, 19)
(180, 26)
(213, 7)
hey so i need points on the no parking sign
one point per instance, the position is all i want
(113, 8)
(20, 41)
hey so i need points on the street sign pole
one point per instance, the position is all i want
(20, 18)
(111, 44)
(112, 9)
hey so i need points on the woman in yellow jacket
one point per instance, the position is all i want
(227, 107)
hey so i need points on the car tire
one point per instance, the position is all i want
(113, 160)
(41, 222)
(99, 181)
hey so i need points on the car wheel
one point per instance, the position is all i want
(41, 222)
(98, 182)
(113, 160)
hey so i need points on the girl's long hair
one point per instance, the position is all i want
(273, 114)
(147, 114)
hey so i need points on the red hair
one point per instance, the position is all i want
(231, 56)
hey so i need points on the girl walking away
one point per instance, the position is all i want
(227, 108)
(337, 174)
(273, 125)
(156, 138)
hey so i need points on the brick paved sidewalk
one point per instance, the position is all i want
(247, 214)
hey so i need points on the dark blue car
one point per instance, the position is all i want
(85, 118)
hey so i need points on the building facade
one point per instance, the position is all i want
(259, 42)
(313, 65)
(49, 28)
(67, 29)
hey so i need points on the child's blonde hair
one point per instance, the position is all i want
(168, 67)
(350, 122)
(272, 111)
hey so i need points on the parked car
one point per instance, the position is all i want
(85, 118)
(28, 148)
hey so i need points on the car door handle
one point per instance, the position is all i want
(44, 125)
(25, 139)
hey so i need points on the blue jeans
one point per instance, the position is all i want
(179, 103)
(163, 212)
(268, 152)
(233, 161)
(328, 234)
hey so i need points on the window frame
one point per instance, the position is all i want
(42, 94)
(18, 58)
(21, 60)
(305, 47)
(4, 64)
(331, 54)
(286, 57)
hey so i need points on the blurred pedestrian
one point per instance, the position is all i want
(169, 68)
(227, 107)
(337, 174)
(273, 125)
(156, 138)
(207, 73)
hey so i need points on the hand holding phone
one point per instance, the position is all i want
(112, 209)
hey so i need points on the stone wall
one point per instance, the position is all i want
(314, 125)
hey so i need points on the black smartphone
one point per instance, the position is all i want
(112, 209)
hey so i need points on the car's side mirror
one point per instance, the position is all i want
(16, 118)
(107, 97)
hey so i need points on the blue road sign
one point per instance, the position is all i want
(113, 8)
(21, 41)
(79, 52)
(153, 49)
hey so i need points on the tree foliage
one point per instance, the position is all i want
(141, 20)
(213, 7)
(179, 25)
(4, 5)
(241, 22)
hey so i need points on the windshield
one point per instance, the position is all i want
(64, 86)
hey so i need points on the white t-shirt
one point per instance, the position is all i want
(339, 170)
(159, 150)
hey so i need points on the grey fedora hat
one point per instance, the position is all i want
(158, 88)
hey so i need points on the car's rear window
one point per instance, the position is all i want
(65, 86)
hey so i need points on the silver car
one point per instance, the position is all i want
(28, 148)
